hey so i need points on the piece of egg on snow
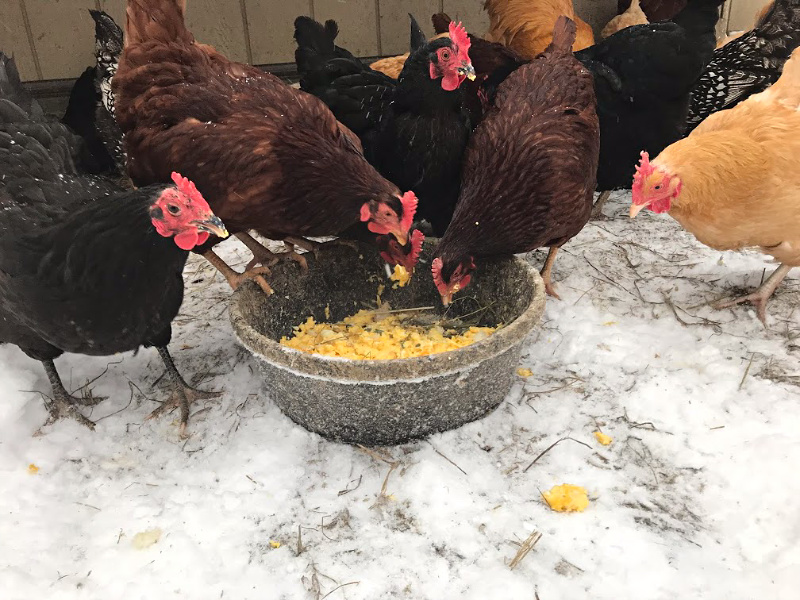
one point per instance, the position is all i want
(145, 539)
(603, 438)
(566, 498)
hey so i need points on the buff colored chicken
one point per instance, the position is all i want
(633, 16)
(393, 65)
(734, 183)
(526, 26)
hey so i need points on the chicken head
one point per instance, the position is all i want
(452, 277)
(653, 187)
(395, 254)
(181, 212)
(450, 59)
(391, 215)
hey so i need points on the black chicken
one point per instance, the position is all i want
(747, 65)
(85, 267)
(413, 129)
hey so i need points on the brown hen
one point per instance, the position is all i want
(266, 156)
(530, 168)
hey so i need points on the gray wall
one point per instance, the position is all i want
(54, 39)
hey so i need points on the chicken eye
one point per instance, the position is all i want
(173, 209)
(658, 187)
(445, 55)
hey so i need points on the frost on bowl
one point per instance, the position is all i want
(381, 402)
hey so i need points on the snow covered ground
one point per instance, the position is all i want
(695, 498)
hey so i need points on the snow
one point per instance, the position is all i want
(695, 498)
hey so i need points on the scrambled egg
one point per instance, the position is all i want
(145, 539)
(567, 498)
(524, 372)
(400, 276)
(603, 438)
(33, 469)
(379, 335)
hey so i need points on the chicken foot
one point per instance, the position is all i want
(63, 405)
(182, 393)
(761, 296)
(547, 271)
(315, 247)
(597, 210)
(235, 279)
(261, 255)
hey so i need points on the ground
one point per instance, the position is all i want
(696, 497)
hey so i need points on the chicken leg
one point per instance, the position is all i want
(182, 393)
(547, 270)
(761, 296)
(63, 405)
(597, 210)
(315, 247)
(235, 279)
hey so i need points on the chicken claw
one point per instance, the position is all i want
(182, 396)
(235, 279)
(761, 296)
(63, 405)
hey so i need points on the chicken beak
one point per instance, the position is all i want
(467, 70)
(447, 299)
(636, 209)
(212, 225)
(402, 237)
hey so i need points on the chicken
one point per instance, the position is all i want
(634, 15)
(530, 168)
(85, 266)
(747, 65)
(759, 19)
(526, 26)
(643, 78)
(392, 66)
(267, 156)
(413, 129)
(734, 183)
(655, 10)
(90, 111)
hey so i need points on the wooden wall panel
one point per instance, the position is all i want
(470, 13)
(63, 36)
(357, 23)
(271, 27)
(395, 24)
(14, 36)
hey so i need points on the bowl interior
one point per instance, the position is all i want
(343, 280)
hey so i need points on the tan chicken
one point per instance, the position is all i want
(758, 20)
(526, 26)
(392, 65)
(734, 182)
(633, 16)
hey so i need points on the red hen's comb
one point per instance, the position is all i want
(409, 202)
(436, 270)
(188, 189)
(643, 170)
(417, 238)
(458, 34)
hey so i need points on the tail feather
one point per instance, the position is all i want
(11, 89)
(564, 33)
(160, 20)
(315, 37)
(787, 89)
(441, 23)
(699, 18)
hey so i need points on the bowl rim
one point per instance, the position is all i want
(346, 370)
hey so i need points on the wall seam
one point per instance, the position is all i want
(378, 26)
(311, 9)
(29, 33)
(247, 47)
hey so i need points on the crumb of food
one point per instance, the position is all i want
(609, 323)
(145, 539)
(603, 438)
(380, 335)
(524, 372)
(327, 311)
(378, 299)
(400, 276)
(567, 498)
(33, 469)
(274, 544)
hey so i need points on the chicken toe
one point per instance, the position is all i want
(761, 296)
(62, 405)
(182, 394)
(235, 279)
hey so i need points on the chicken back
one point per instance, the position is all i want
(530, 168)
